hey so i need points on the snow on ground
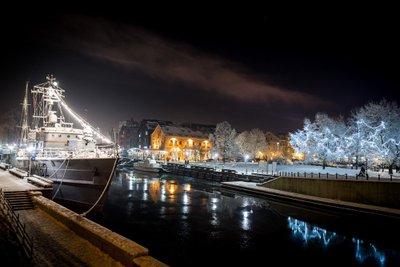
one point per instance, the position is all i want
(243, 167)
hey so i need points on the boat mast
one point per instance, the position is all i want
(24, 118)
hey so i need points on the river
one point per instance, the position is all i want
(190, 222)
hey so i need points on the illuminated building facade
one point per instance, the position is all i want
(184, 142)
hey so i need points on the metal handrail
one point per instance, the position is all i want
(19, 229)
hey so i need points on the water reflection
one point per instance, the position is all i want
(180, 219)
(307, 232)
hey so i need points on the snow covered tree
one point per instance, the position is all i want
(224, 140)
(241, 141)
(251, 143)
(378, 125)
(353, 141)
(257, 143)
(302, 140)
(320, 140)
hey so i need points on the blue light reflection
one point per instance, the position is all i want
(307, 232)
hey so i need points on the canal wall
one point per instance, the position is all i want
(211, 174)
(116, 246)
(385, 194)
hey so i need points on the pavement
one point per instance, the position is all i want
(56, 245)
(9, 182)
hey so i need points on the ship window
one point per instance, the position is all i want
(67, 136)
(59, 135)
(52, 135)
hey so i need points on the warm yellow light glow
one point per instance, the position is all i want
(298, 156)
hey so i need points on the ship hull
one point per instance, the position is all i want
(78, 182)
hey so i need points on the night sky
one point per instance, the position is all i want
(266, 68)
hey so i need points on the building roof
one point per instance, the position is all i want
(184, 132)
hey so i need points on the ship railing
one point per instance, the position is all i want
(15, 223)
(53, 153)
(81, 153)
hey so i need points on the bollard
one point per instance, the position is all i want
(336, 175)
(305, 175)
(298, 174)
(391, 176)
(319, 175)
(326, 175)
(379, 177)
(311, 175)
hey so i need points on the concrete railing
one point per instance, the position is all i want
(118, 247)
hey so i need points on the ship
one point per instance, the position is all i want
(78, 159)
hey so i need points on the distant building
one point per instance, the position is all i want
(185, 141)
(145, 130)
(128, 134)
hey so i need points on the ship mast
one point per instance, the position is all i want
(52, 95)
(24, 118)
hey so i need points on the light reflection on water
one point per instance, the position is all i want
(307, 232)
(176, 217)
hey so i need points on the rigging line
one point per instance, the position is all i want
(62, 179)
(58, 168)
(104, 190)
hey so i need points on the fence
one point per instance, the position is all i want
(19, 229)
(331, 176)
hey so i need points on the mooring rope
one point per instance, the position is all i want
(58, 168)
(104, 190)
(62, 179)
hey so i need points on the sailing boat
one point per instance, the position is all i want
(79, 161)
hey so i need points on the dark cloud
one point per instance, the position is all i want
(137, 49)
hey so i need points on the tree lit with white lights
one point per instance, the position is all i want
(370, 136)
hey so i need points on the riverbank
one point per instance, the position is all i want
(311, 200)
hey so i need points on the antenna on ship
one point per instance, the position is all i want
(24, 118)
